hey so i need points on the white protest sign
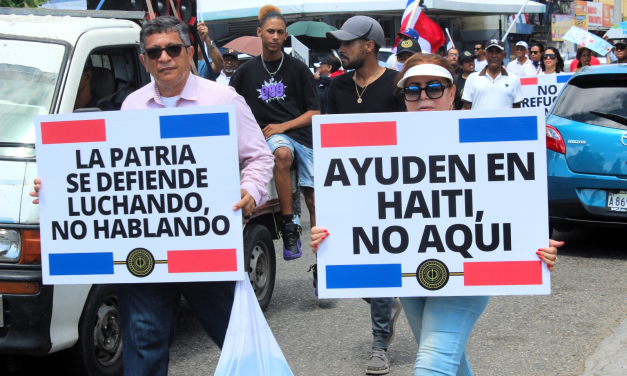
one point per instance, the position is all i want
(300, 51)
(542, 91)
(431, 204)
(587, 39)
(140, 196)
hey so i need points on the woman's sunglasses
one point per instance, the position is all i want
(173, 50)
(434, 91)
(549, 56)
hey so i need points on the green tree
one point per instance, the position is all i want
(21, 3)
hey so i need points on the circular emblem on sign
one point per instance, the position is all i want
(623, 139)
(432, 274)
(406, 43)
(140, 262)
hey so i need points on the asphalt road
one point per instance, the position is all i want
(517, 335)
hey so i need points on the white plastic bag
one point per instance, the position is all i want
(249, 347)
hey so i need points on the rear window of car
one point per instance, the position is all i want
(603, 95)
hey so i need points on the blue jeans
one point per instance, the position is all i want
(148, 317)
(442, 326)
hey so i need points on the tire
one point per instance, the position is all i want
(98, 351)
(260, 262)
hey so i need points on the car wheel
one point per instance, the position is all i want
(98, 351)
(260, 262)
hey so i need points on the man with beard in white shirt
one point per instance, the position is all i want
(231, 63)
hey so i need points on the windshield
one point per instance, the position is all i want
(28, 75)
(603, 95)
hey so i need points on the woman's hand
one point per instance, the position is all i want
(318, 234)
(549, 254)
(36, 193)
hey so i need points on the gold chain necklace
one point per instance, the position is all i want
(363, 91)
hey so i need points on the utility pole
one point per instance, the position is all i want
(618, 12)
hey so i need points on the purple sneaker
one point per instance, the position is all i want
(291, 241)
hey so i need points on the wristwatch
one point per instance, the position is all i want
(212, 45)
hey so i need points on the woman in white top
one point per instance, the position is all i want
(551, 62)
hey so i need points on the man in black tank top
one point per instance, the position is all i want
(368, 89)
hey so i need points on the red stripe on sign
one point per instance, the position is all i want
(70, 132)
(529, 81)
(202, 261)
(502, 273)
(339, 135)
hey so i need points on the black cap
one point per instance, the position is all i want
(331, 62)
(494, 43)
(621, 41)
(466, 56)
(230, 51)
(409, 45)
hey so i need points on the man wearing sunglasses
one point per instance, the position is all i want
(481, 61)
(621, 51)
(369, 88)
(494, 87)
(231, 62)
(522, 66)
(535, 54)
(148, 310)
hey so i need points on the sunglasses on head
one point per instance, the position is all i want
(435, 90)
(173, 50)
(549, 56)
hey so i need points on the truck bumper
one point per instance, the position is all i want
(27, 318)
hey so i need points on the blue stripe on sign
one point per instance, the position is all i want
(197, 125)
(364, 276)
(81, 263)
(524, 128)
(562, 79)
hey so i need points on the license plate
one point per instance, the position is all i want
(616, 201)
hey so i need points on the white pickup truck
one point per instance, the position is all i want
(42, 58)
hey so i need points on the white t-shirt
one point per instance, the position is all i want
(223, 79)
(479, 65)
(487, 94)
(522, 70)
(170, 102)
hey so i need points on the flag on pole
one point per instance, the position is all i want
(431, 34)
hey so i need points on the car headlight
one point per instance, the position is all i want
(10, 245)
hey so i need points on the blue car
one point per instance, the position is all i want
(586, 134)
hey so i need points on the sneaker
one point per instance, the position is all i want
(396, 313)
(314, 268)
(291, 241)
(378, 363)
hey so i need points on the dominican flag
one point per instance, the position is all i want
(431, 35)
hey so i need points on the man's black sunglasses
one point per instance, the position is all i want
(478, 48)
(534, 52)
(434, 91)
(173, 50)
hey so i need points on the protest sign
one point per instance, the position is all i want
(300, 51)
(139, 196)
(431, 204)
(588, 40)
(542, 91)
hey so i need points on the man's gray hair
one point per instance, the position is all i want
(164, 24)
